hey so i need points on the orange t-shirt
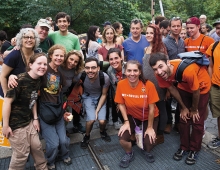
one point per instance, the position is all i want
(193, 45)
(216, 71)
(194, 77)
(134, 98)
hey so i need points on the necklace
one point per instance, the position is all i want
(25, 59)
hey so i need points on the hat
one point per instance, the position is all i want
(193, 20)
(216, 22)
(106, 23)
(43, 22)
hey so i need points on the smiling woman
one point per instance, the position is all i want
(15, 62)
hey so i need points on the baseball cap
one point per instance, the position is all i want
(106, 23)
(193, 20)
(43, 22)
(216, 22)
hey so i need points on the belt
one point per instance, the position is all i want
(216, 86)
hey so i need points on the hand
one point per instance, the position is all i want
(65, 116)
(184, 114)
(12, 83)
(36, 125)
(7, 132)
(124, 127)
(16, 48)
(151, 133)
(195, 115)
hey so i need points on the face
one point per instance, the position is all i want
(132, 72)
(72, 61)
(175, 27)
(162, 69)
(39, 67)
(217, 27)
(166, 31)
(109, 35)
(202, 20)
(136, 30)
(192, 29)
(120, 29)
(42, 32)
(115, 60)
(28, 40)
(150, 34)
(63, 24)
(97, 33)
(204, 29)
(91, 69)
(57, 57)
(183, 34)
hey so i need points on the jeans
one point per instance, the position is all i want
(56, 140)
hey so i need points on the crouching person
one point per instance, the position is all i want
(20, 121)
(96, 86)
(136, 100)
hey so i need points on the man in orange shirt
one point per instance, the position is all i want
(215, 89)
(193, 93)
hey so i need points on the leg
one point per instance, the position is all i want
(36, 150)
(51, 138)
(161, 105)
(168, 127)
(89, 125)
(21, 148)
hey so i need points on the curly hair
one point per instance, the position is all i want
(104, 32)
(80, 65)
(23, 31)
(157, 44)
(56, 47)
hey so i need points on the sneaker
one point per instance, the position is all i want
(179, 154)
(214, 143)
(127, 158)
(51, 167)
(159, 139)
(191, 159)
(79, 129)
(117, 125)
(168, 128)
(105, 136)
(149, 156)
(85, 142)
(67, 161)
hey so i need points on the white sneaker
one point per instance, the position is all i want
(117, 125)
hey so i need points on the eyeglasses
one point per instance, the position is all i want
(175, 18)
(29, 37)
(92, 68)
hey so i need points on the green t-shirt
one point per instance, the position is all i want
(69, 41)
(25, 96)
(45, 45)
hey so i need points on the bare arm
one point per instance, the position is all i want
(6, 115)
(4, 75)
(126, 125)
(122, 55)
(100, 57)
(150, 131)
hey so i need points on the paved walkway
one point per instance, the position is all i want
(102, 155)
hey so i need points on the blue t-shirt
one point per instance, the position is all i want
(135, 50)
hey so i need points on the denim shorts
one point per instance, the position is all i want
(90, 103)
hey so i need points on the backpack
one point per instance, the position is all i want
(189, 58)
(213, 48)
(75, 91)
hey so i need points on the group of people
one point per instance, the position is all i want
(140, 81)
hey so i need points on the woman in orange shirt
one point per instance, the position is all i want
(136, 100)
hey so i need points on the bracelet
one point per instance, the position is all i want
(36, 119)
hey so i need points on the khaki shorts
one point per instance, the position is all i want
(215, 101)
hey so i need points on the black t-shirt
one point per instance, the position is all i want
(5, 46)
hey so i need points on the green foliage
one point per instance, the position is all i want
(84, 13)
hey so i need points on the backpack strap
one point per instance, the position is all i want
(201, 42)
(213, 48)
(181, 67)
(101, 78)
(83, 76)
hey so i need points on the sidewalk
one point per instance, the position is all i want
(106, 155)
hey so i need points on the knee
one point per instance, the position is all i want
(101, 122)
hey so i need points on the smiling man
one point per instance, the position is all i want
(134, 45)
(94, 99)
(192, 95)
(62, 36)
